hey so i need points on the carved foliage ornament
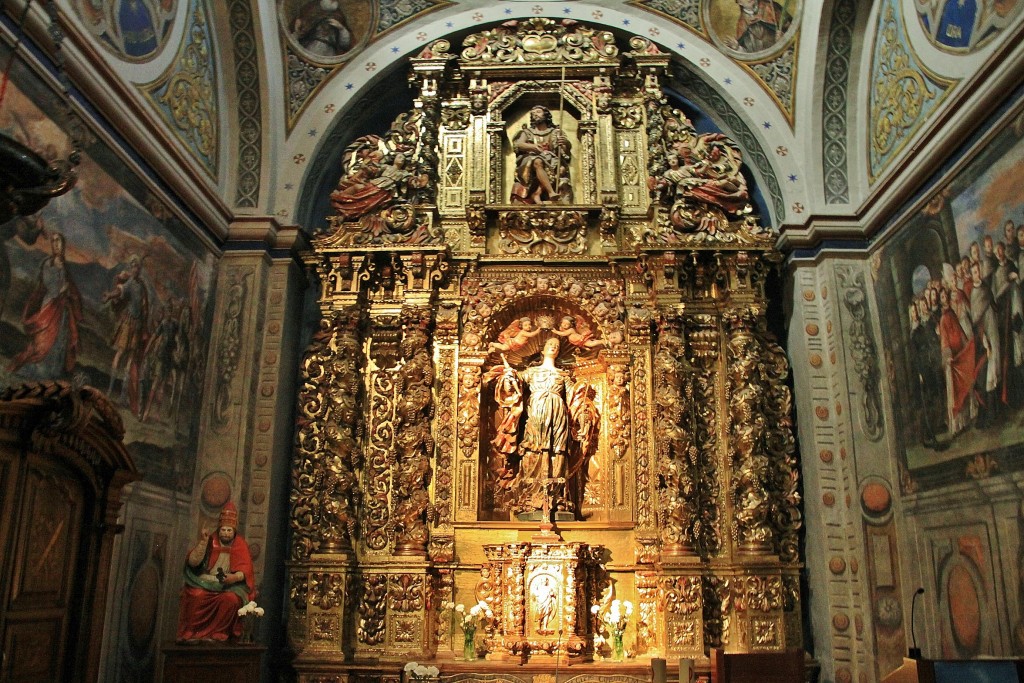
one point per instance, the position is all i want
(406, 593)
(327, 590)
(542, 233)
(540, 40)
(372, 608)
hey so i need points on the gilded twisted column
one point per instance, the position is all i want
(674, 445)
(323, 497)
(701, 395)
(324, 508)
(780, 447)
(751, 466)
(414, 445)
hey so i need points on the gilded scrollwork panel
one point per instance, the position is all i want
(380, 454)
(469, 439)
(648, 633)
(442, 512)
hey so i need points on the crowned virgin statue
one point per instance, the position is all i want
(546, 449)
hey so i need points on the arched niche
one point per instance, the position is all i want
(569, 111)
(583, 315)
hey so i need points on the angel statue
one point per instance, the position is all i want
(574, 329)
(516, 336)
(548, 446)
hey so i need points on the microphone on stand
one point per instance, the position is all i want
(915, 651)
(558, 652)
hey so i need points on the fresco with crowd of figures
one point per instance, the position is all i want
(951, 283)
(107, 287)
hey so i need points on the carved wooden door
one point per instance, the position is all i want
(43, 508)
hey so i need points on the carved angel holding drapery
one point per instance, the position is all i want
(376, 196)
(699, 176)
(576, 331)
(548, 448)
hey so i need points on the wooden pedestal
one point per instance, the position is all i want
(225, 663)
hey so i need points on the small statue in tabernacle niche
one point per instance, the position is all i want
(218, 582)
(697, 176)
(380, 187)
(545, 431)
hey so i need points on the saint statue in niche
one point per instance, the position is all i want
(545, 430)
(543, 156)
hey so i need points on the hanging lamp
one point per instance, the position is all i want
(28, 181)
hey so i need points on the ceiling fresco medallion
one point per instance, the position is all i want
(325, 31)
(965, 25)
(135, 30)
(752, 30)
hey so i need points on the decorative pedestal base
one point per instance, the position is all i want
(232, 663)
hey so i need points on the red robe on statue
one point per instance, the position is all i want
(209, 610)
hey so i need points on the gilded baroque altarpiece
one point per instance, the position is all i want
(542, 298)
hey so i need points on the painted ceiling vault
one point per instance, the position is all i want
(825, 98)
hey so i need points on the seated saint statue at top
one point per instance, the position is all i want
(542, 162)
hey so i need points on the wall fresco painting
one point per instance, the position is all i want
(953, 284)
(135, 30)
(106, 287)
(965, 25)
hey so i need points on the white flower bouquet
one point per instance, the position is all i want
(469, 621)
(614, 621)
(249, 613)
(417, 672)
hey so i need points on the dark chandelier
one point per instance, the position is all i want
(27, 180)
